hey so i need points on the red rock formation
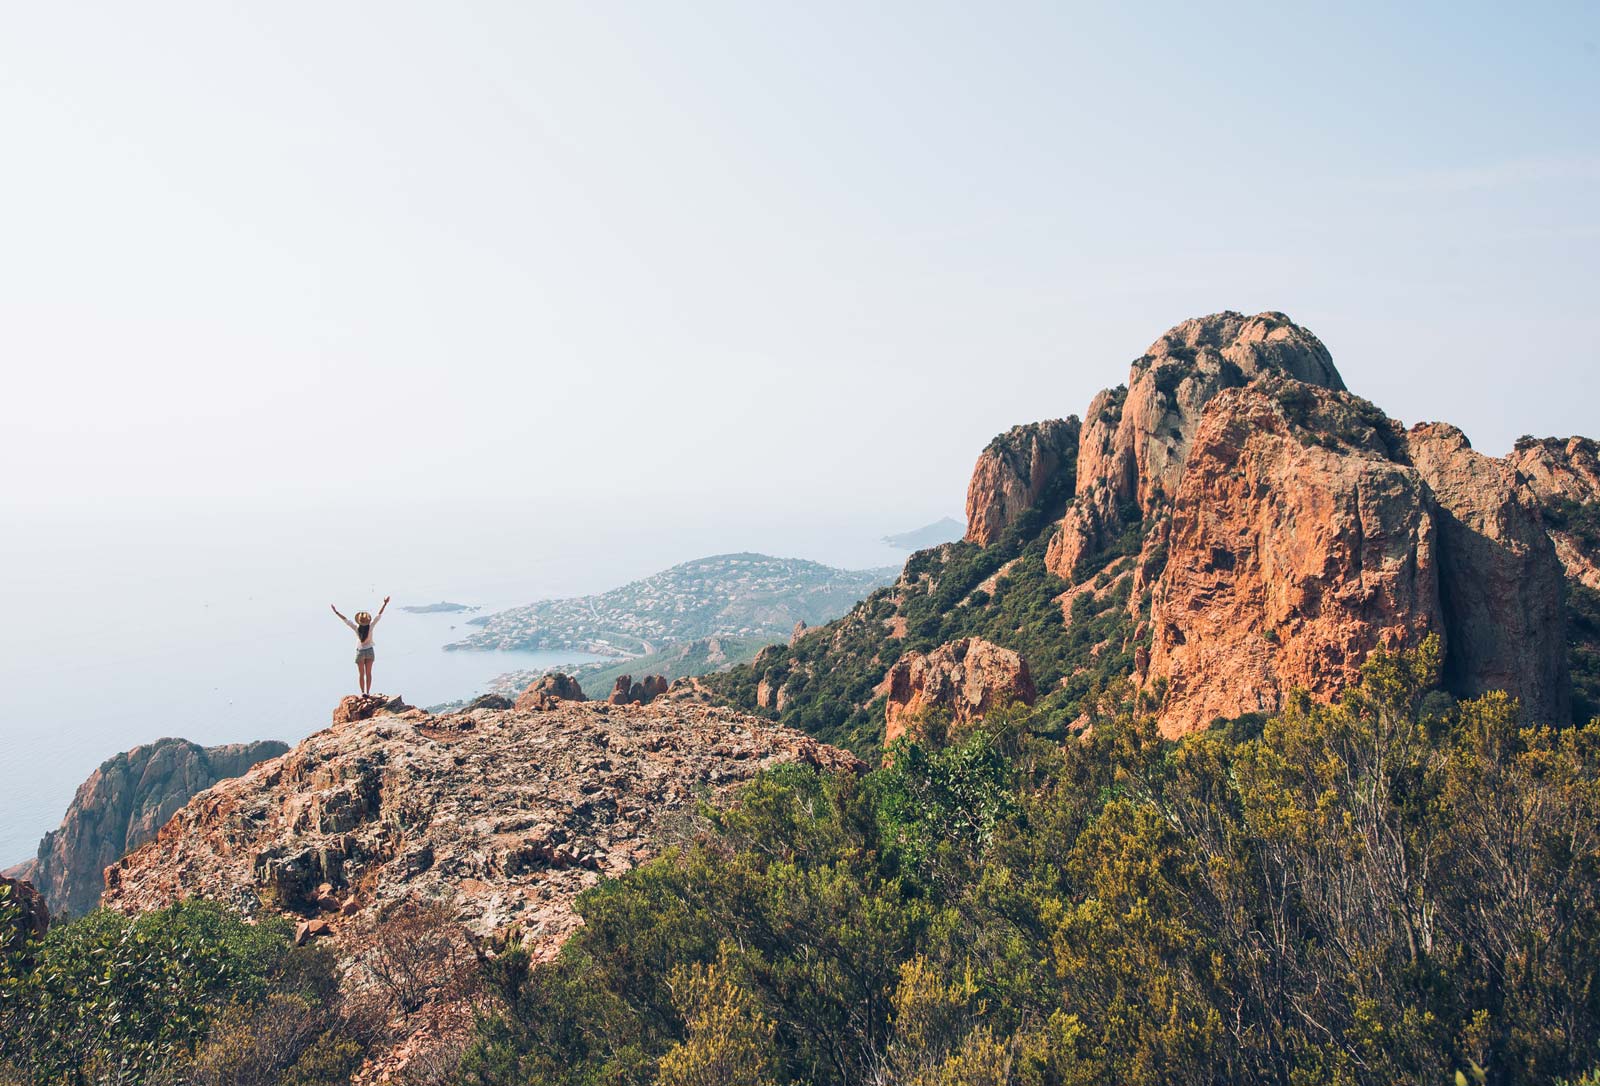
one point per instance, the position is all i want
(365, 706)
(1293, 554)
(549, 691)
(121, 806)
(1135, 444)
(1271, 530)
(1555, 472)
(1500, 582)
(967, 677)
(628, 692)
(1012, 473)
(1553, 468)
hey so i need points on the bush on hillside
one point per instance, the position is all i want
(1383, 890)
(190, 993)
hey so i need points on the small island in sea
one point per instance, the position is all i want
(438, 608)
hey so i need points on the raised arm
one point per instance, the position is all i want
(346, 621)
(381, 610)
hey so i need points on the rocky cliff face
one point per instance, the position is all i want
(1235, 524)
(1301, 529)
(504, 815)
(1501, 585)
(1563, 476)
(1012, 473)
(122, 805)
(1289, 560)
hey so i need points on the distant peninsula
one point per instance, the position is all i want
(734, 596)
(438, 609)
(947, 530)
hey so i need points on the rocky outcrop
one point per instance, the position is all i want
(122, 805)
(967, 678)
(1293, 554)
(365, 706)
(33, 916)
(1136, 442)
(628, 692)
(1559, 468)
(1013, 472)
(503, 816)
(1500, 583)
(1560, 475)
(549, 691)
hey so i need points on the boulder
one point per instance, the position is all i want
(308, 930)
(550, 690)
(354, 707)
(966, 677)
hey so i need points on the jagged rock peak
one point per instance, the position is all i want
(1266, 343)
(1134, 446)
(1013, 472)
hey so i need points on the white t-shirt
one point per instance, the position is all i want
(366, 642)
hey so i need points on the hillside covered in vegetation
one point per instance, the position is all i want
(1246, 737)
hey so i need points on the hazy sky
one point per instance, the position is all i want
(755, 255)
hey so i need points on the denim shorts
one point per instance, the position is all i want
(365, 654)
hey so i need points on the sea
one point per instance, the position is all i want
(118, 627)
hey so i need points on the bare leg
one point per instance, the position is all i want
(360, 675)
(369, 676)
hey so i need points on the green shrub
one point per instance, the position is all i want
(1377, 891)
(131, 999)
